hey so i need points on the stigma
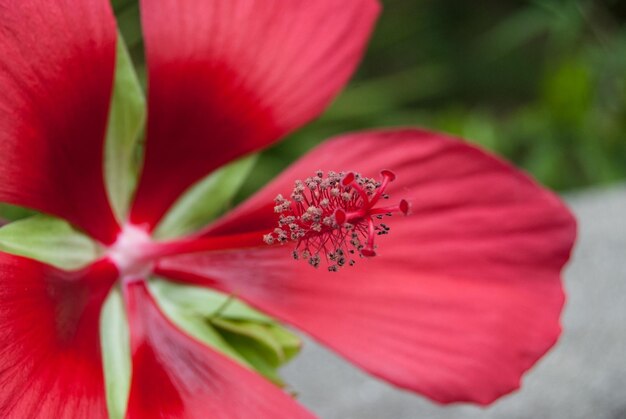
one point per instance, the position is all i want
(334, 217)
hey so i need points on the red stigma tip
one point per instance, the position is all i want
(340, 216)
(334, 217)
(388, 174)
(348, 179)
(369, 253)
(404, 206)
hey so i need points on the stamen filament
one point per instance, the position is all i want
(369, 251)
(350, 180)
(388, 176)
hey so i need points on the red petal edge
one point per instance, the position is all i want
(228, 77)
(466, 294)
(56, 71)
(50, 359)
(176, 376)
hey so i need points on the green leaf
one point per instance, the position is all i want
(206, 200)
(373, 97)
(116, 358)
(126, 121)
(574, 78)
(50, 240)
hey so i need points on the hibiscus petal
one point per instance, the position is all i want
(176, 376)
(50, 363)
(465, 294)
(227, 77)
(56, 72)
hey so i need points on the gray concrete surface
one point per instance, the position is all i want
(584, 377)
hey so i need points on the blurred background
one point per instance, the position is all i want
(542, 83)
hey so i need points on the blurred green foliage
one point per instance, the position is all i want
(540, 82)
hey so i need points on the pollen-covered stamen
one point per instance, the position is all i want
(333, 218)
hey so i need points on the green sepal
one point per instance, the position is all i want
(255, 333)
(206, 200)
(206, 303)
(116, 357)
(50, 240)
(229, 326)
(185, 317)
(128, 21)
(120, 4)
(127, 115)
(265, 346)
(257, 353)
(290, 343)
(13, 213)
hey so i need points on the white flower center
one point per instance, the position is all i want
(128, 253)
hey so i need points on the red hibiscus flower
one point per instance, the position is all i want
(454, 300)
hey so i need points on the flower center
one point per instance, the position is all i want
(129, 251)
(334, 218)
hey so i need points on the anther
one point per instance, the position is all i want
(333, 216)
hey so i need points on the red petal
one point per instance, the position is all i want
(50, 364)
(56, 72)
(465, 294)
(176, 376)
(231, 76)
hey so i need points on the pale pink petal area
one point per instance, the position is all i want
(50, 358)
(465, 294)
(175, 376)
(227, 77)
(57, 61)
